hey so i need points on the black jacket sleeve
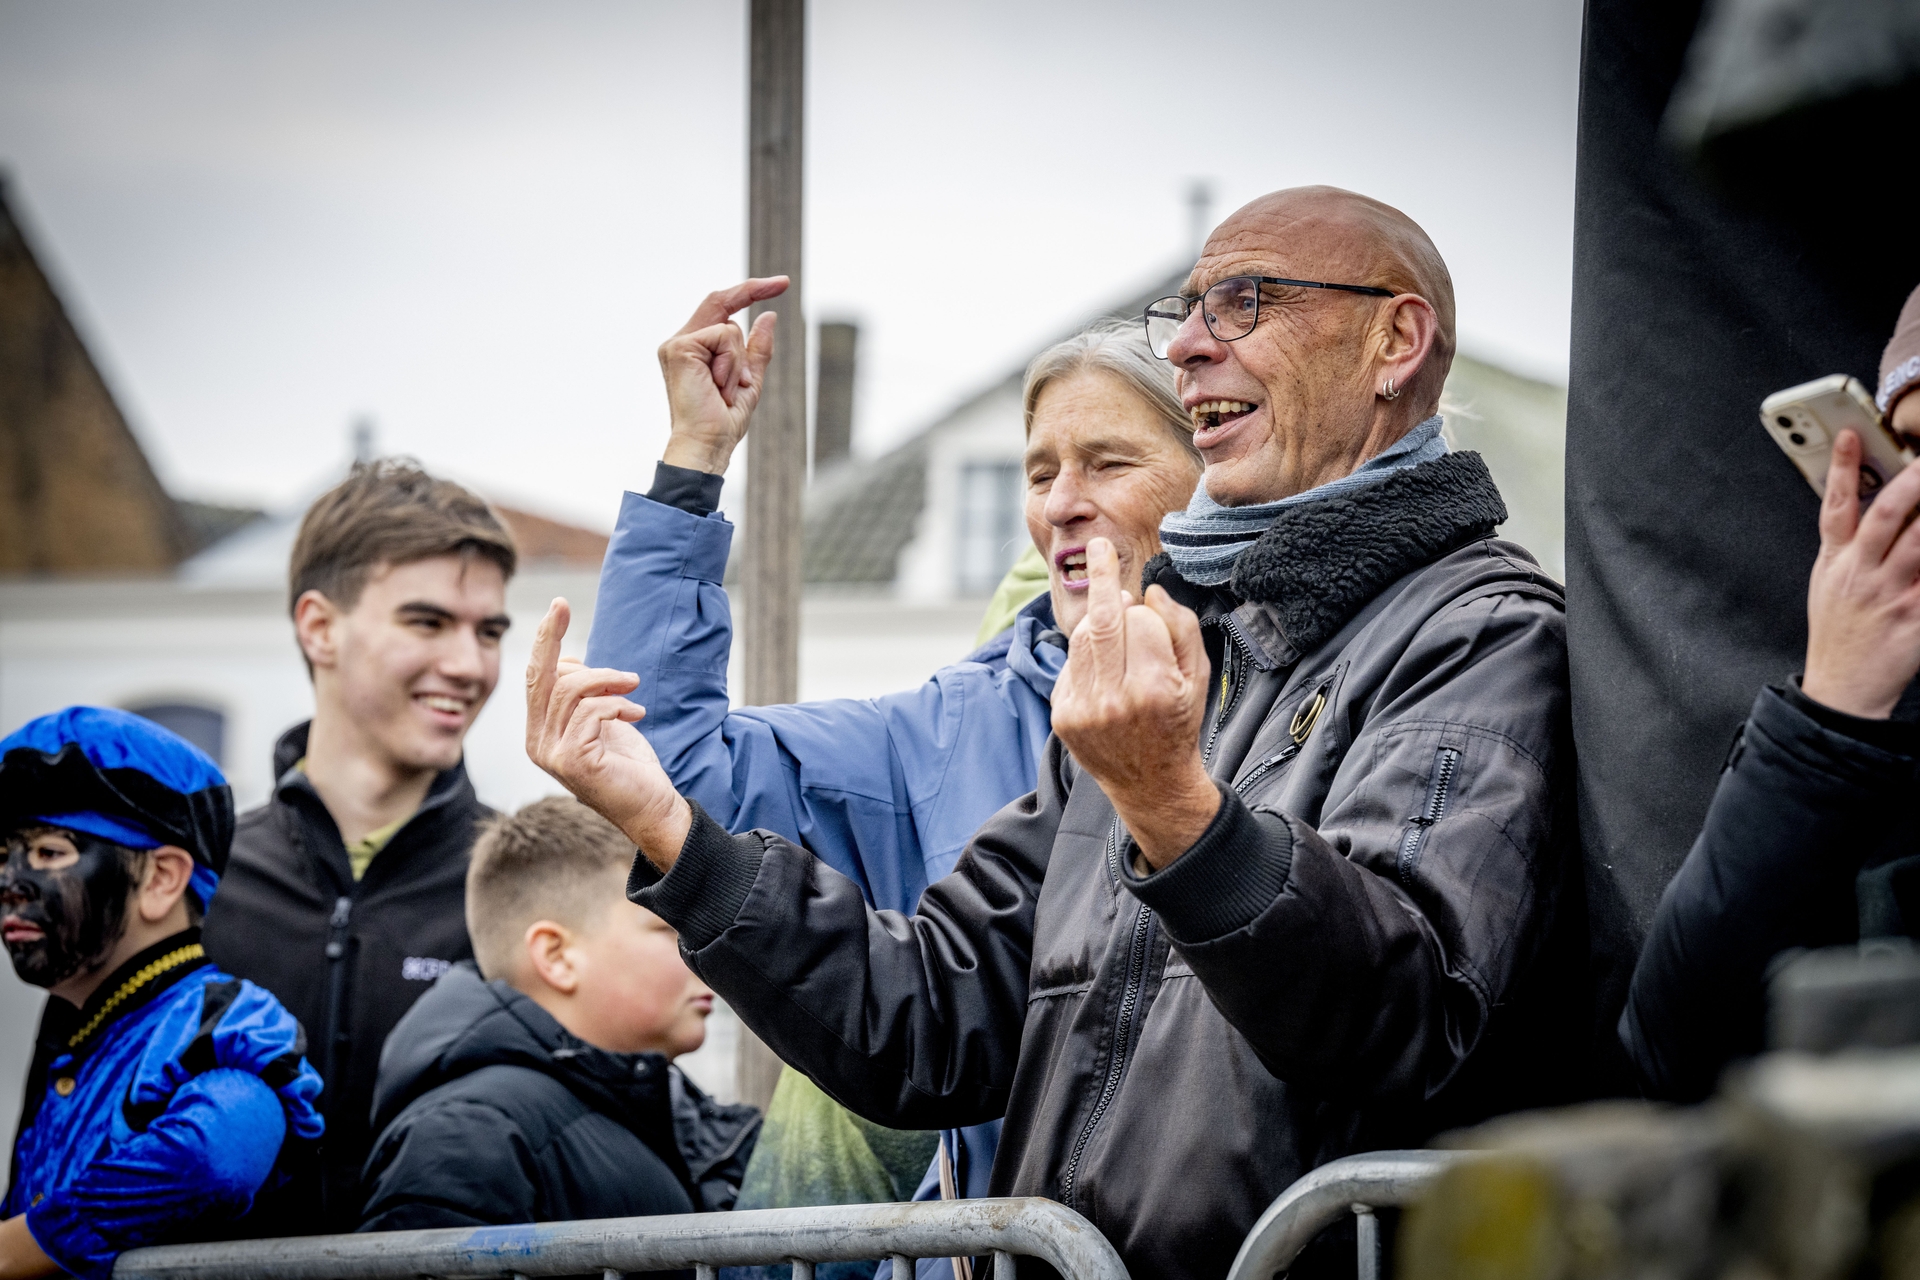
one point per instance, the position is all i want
(911, 1021)
(1799, 807)
(695, 492)
(454, 1163)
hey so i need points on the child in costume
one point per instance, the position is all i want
(164, 1094)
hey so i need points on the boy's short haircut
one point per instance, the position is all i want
(553, 860)
(390, 511)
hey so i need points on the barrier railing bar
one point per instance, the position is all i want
(1029, 1227)
(1353, 1184)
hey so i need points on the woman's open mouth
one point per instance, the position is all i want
(1073, 568)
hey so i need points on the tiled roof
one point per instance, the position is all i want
(861, 515)
(544, 541)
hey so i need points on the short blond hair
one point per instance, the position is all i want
(553, 860)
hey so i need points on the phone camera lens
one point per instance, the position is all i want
(1784, 420)
(1797, 438)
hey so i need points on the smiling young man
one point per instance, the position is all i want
(346, 893)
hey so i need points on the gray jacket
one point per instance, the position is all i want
(1347, 960)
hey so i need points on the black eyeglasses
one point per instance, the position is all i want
(1230, 308)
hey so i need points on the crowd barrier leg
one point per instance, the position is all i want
(1354, 1184)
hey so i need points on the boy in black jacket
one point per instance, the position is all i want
(547, 1094)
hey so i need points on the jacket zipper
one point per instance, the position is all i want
(336, 984)
(336, 1005)
(1445, 762)
(1230, 692)
(1265, 767)
(1138, 950)
(1123, 1028)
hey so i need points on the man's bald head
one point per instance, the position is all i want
(1326, 378)
(1326, 233)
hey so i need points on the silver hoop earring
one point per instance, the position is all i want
(1389, 392)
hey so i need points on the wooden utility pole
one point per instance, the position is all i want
(777, 456)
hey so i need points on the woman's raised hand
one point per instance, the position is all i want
(714, 375)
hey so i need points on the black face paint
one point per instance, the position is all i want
(79, 911)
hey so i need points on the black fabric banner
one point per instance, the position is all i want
(1689, 535)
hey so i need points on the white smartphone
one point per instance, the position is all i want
(1804, 420)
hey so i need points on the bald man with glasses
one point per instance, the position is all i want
(1287, 888)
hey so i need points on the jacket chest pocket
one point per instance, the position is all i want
(1285, 737)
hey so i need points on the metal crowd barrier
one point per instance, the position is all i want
(1354, 1184)
(702, 1242)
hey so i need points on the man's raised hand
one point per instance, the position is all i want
(580, 730)
(714, 375)
(1129, 706)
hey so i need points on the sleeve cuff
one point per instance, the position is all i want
(1225, 881)
(695, 492)
(65, 1236)
(1896, 737)
(710, 880)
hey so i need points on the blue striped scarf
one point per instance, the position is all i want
(1206, 538)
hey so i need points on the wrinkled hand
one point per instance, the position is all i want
(1129, 706)
(1863, 603)
(580, 730)
(714, 375)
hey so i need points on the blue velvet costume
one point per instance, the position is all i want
(157, 1112)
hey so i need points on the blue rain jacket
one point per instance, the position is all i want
(166, 1120)
(887, 791)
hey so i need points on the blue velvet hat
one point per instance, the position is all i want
(119, 777)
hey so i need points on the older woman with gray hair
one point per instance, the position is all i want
(885, 790)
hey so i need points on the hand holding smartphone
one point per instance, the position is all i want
(1805, 420)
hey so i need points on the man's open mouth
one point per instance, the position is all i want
(1212, 414)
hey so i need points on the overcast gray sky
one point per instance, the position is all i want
(475, 220)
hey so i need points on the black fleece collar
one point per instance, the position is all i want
(450, 798)
(1319, 563)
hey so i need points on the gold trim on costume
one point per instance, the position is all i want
(147, 973)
